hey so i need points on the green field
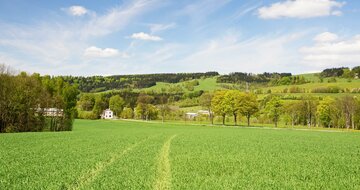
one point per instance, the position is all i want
(139, 155)
(207, 84)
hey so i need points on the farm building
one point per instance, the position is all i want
(191, 115)
(107, 114)
(203, 112)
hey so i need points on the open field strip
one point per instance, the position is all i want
(207, 124)
(139, 155)
(163, 177)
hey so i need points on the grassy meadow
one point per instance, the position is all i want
(139, 155)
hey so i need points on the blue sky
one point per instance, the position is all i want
(156, 36)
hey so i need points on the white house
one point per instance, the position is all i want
(107, 114)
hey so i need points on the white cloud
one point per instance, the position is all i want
(230, 54)
(117, 18)
(301, 9)
(56, 47)
(77, 10)
(154, 28)
(94, 51)
(199, 11)
(145, 36)
(326, 37)
(333, 53)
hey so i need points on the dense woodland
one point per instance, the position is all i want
(101, 83)
(25, 98)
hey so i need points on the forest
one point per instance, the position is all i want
(27, 102)
(101, 83)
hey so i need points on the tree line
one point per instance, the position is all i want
(103, 83)
(344, 72)
(307, 110)
(311, 111)
(240, 77)
(25, 102)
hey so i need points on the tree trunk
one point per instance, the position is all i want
(235, 121)
(211, 117)
(223, 120)
(248, 120)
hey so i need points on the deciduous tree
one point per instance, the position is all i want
(248, 106)
(274, 109)
(218, 104)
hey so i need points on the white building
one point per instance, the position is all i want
(53, 112)
(191, 115)
(107, 114)
(203, 112)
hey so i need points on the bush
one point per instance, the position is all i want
(355, 90)
(296, 89)
(332, 80)
(87, 115)
(127, 113)
(258, 91)
(329, 89)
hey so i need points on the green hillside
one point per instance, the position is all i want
(207, 84)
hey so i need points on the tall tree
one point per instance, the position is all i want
(274, 109)
(100, 104)
(142, 107)
(348, 106)
(87, 101)
(309, 104)
(164, 107)
(116, 104)
(291, 109)
(248, 106)
(218, 105)
(324, 112)
(205, 102)
(232, 102)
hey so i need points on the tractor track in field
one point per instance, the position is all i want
(163, 173)
(90, 175)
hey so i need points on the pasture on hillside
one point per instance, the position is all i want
(140, 155)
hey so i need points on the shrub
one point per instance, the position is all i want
(127, 113)
(296, 89)
(87, 115)
(329, 89)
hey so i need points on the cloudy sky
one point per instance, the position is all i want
(88, 37)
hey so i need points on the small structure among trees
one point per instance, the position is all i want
(107, 114)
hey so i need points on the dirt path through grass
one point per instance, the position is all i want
(89, 176)
(163, 175)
